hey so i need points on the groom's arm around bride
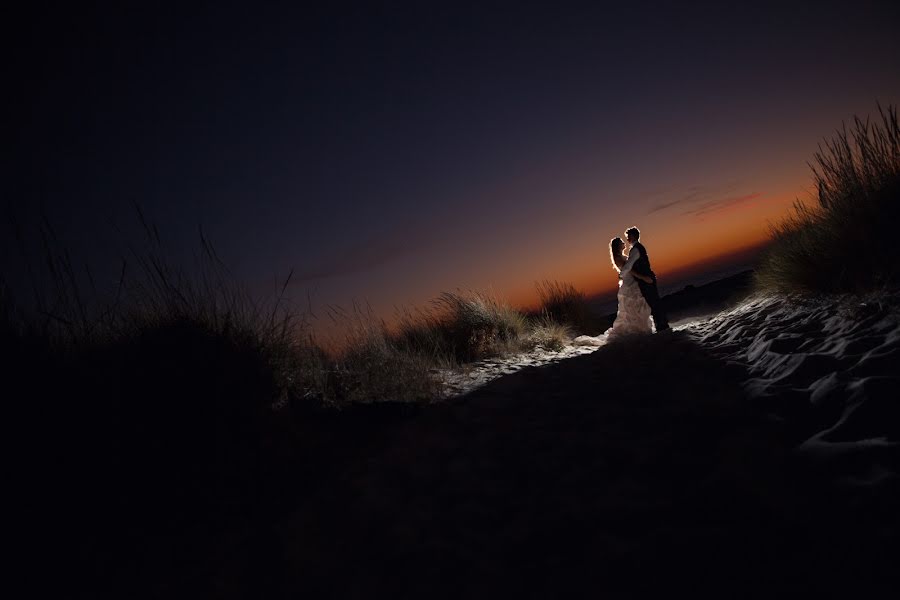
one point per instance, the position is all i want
(633, 255)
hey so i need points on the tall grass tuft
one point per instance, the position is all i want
(549, 334)
(478, 324)
(152, 411)
(563, 303)
(179, 406)
(376, 366)
(844, 241)
(462, 327)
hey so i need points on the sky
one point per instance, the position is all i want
(387, 152)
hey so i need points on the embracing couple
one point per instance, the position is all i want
(638, 297)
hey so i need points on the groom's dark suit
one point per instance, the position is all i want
(648, 290)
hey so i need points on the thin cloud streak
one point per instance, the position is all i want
(365, 256)
(716, 205)
(697, 193)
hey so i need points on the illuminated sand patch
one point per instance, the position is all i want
(831, 362)
(477, 374)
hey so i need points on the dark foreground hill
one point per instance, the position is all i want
(635, 470)
(647, 467)
(640, 469)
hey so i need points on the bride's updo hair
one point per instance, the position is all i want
(615, 250)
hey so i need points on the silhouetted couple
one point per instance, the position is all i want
(638, 297)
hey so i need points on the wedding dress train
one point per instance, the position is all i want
(632, 316)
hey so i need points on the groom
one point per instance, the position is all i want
(639, 262)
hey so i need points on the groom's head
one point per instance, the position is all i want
(633, 234)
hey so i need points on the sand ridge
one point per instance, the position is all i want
(645, 465)
(828, 367)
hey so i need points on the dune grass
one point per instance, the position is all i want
(372, 365)
(180, 407)
(179, 395)
(462, 327)
(192, 329)
(548, 334)
(563, 303)
(845, 239)
(152, 411)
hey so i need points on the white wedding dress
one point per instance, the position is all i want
(633, 315)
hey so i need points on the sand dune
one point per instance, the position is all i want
(829, 368)
(749, 453)
(458, 382)
(700, 460)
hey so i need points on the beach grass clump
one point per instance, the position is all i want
(182, 398)
(563, 303)
(170, 340)
(375, 365)
(845, 239)
(548, 334)
(196, 343)
(165, 399)
(461, 327)
(478, 324)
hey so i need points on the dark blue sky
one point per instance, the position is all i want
(391, 152)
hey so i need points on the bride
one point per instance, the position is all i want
(633, 315)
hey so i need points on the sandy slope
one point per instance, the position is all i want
(657, 464)
(682, 463)
(458, 382)
(828, 369)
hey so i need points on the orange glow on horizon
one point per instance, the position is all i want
(679, 251)
(681, 244)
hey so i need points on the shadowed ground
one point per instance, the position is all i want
(639, 468)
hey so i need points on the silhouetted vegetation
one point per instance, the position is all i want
(168, 315)
(549, 334)
(462, 327)
(175, 406)
(846, 240)
(563, 303)
(373, 365)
